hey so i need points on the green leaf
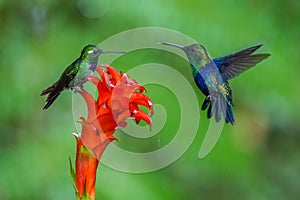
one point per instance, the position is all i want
(73, 175)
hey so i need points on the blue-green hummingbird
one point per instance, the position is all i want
(76, 73)
(212, 76)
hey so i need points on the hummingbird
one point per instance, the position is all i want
(76, 73)
(212, 76)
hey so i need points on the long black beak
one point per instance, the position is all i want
(173, 45)
(111, 51)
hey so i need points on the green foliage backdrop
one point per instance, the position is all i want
(258, 158)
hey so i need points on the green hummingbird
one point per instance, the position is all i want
(212, 76)
(76, 73)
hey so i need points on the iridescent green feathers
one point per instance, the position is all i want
(75, 74)
(89, 56)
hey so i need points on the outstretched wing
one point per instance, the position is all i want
(234, 64)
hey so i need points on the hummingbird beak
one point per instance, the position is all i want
(173, 45)
(111, 51)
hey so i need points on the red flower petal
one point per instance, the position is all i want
(91, 105)
(142, 115)
(143, 100)
(86, 167)
(106, 80)
(142, 89)
(114, 74)
(99, 70)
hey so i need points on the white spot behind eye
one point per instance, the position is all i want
(91, 51)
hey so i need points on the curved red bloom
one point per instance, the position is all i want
(119, 98)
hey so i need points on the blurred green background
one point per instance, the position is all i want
(258, 158)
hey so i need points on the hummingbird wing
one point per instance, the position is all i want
(63, 83)
(232, 65)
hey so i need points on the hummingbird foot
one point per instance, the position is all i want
(78, 89)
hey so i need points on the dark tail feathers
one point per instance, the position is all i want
(50, 99)
(53, 92)
(49, 89)
(218, 105)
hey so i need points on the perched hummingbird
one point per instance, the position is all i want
(212, 76)
(76, 73)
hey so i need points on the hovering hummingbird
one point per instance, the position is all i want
(212, 76)
(76, 73)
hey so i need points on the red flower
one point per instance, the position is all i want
(119, 98)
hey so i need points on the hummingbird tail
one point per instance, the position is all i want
(51, 98)
(53, 92)
(229, 115)
(49, 89)
(219, 106)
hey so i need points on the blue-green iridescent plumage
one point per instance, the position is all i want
(76, 73)
(212, 75)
